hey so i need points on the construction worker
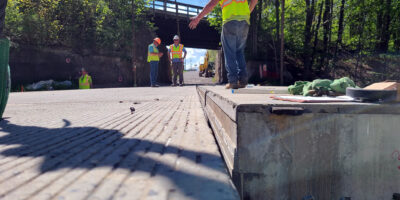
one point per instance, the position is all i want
(235, 27)
(153, 57)
(85, 81)
(176, 58)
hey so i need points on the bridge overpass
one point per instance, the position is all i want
(173, 18)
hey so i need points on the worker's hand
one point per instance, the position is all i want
(181, 59)
(160, 54)
(194, 22)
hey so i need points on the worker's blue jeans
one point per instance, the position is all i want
(153, 72)
(234, 37)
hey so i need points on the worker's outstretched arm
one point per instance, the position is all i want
(207, 9)
(252, 5)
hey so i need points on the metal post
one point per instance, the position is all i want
(177, 20)
(176, 7)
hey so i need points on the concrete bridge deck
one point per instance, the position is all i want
(86, 144)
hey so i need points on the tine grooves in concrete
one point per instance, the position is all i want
(88, 145)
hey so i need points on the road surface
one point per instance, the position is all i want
(87, 144)
(192, 78)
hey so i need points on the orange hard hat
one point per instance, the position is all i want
(158, 40)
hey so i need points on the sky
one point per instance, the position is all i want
(194, 2)
(194, 58)
(201, 3)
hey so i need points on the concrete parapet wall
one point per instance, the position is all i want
(330, 151)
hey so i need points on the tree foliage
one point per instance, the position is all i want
(78, 24)
(215, 18)
(320, 32)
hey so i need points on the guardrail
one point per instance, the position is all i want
(174, 8)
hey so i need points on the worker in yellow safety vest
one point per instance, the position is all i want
(85, 81)
(153, 57)
(176, 56)
(236, 21)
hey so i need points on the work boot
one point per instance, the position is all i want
(242, 84)
(231, 86)
(173, 84)
(181, 84)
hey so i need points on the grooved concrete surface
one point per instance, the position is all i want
(86, 144)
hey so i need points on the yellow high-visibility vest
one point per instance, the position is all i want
(177, 51)
(84, 82)
(152, 56)
(235, 10)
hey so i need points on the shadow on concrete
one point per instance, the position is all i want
(91, 147)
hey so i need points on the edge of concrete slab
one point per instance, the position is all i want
(224, 110)
(233, 103)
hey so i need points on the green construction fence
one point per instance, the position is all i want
(5, 81)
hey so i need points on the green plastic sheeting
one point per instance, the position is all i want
(4, 99)
(306, 89)
(4, 74)
(321, 87)
(317, 88)
(297, 88)
(340, 85)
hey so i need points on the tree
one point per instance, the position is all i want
(326, 26)
(79, 24)
(383, 25)
(316, 31)
(215, 18)
(361, 28)
(133, 40)
(3, 5)
(307, 36)
(395, 26)
(277, 31)
(282, 39)
(341, 26)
